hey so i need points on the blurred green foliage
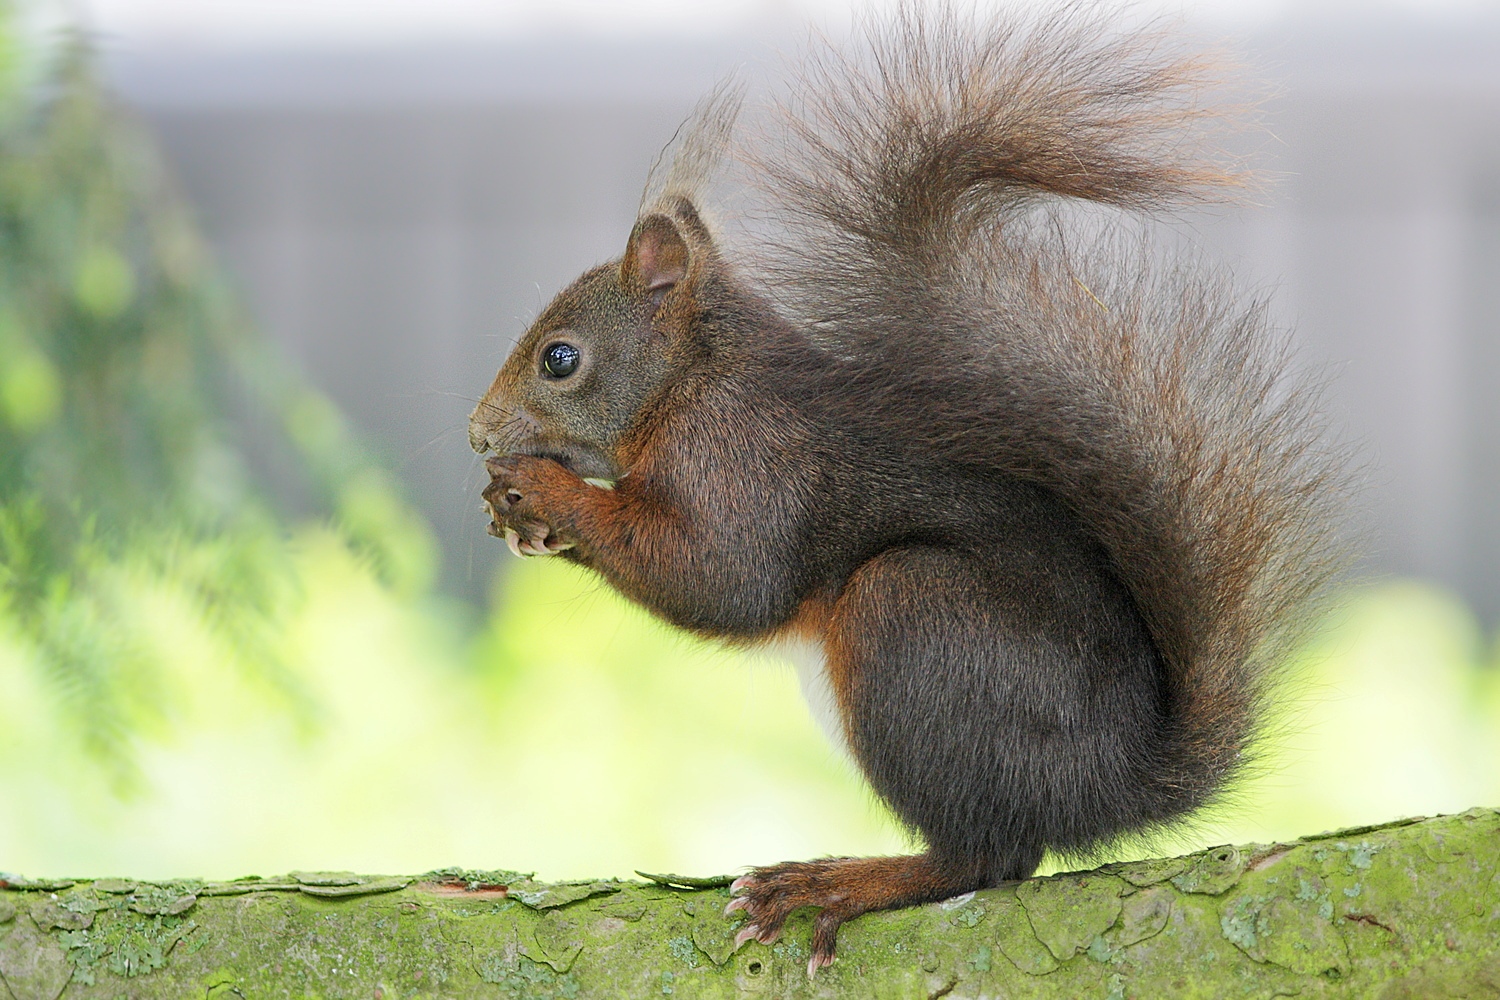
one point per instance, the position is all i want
(580, 738)
(129, 381)
(278, 691)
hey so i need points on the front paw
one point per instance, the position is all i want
(526, 501)
(539, 540)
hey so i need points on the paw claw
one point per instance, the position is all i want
(768, 896)
(513, 542)
(539, 541)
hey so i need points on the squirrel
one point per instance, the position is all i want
(1050, 506)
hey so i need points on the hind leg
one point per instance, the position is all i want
(982, 714)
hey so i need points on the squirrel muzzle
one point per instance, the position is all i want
(499, 428)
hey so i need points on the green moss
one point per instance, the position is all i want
(1016, 938)
(1068, 911)
(1214, 871)
(1284, 922)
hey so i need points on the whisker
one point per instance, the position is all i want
(450, 394)
(439, 436)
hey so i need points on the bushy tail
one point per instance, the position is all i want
(902, 149)
(924, 183)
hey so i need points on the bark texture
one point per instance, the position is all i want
(1406, 910)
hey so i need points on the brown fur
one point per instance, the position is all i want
(1052, 507)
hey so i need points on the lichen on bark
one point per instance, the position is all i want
(1410, 909)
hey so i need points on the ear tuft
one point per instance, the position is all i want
(657, 257)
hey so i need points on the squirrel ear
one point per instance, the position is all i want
(657, 256)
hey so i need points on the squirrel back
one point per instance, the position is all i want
(1051, 507)
(922, 191)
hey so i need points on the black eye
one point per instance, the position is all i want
(560, 360)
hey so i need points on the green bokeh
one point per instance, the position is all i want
(577, 737)
(198, 680)
(130, 388)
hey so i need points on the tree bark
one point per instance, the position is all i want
(1406, 910)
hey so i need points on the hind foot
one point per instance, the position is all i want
(842, 889)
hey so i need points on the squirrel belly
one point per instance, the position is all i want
(810, 660)
(1038, 513)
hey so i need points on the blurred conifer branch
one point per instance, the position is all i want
(131, 384)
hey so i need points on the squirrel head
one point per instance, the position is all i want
(579, 376)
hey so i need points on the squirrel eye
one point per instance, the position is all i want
(560, 360)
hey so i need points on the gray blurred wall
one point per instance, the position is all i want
(395, 218)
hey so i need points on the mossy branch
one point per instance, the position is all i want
(1409, 909)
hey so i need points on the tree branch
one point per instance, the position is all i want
(1409, 909)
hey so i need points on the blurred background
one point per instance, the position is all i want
(257, 261)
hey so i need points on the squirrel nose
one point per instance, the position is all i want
(479, 436)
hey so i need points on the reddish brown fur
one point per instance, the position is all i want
(1051, 509)
(844, 888)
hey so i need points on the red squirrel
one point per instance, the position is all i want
(1049, 505)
